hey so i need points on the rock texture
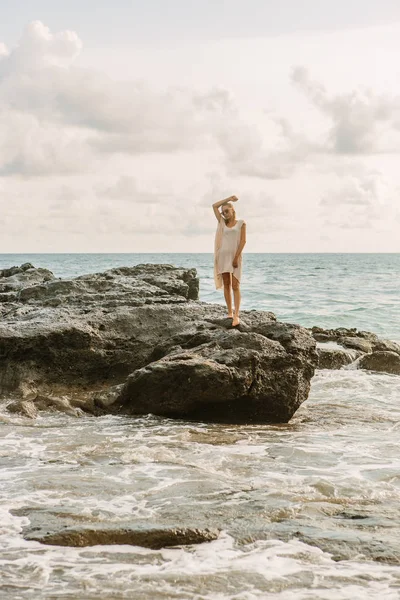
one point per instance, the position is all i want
(137, 340)
(385, 361)
(332, 358)
(363, 348)
(68, 528)
(149, 537)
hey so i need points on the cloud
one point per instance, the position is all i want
(361, 120)
(39, 48)
(86, 112)
(368, 189)
(59, 118)
(356, 201)
(30, 147)
(274, 155)
(127, 189)
(54, 115)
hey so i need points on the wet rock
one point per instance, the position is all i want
(334, 335)
(69, 528)
(153, 538)
(103, 399)
(231, 376)
(23, 407)
(385, 362)
(49, 403)
(142, 328)
(362, 342)
(330, 358)
(383, 345)
(356, 344)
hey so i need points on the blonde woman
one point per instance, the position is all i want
(230, 240)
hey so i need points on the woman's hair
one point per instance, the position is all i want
(229, 205)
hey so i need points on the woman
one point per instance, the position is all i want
(230, 240)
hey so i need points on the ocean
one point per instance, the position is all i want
(317, 499)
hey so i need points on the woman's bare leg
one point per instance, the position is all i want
(226, 277)
(237, 298)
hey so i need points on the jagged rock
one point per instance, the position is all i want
(356, 343)
(332, 358)
(145, 324)
(17, 278)
(229, 376)
(49, 403)
(23, 407)
(382, 345)
(386, 362)
(335, 335)
(362, 342)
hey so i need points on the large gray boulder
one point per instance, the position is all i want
(230, 376)
(137, 340)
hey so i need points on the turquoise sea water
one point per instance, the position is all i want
(330, 290)
(317, 500)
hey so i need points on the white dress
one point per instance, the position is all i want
(227, 240)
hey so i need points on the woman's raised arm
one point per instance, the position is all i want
(216, 205)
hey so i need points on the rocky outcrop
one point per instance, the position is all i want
(340, 347)
(137, 340)
(221, 375)
(335, 358)
(341, 333)
(384, 362)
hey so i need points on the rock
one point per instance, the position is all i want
(70, 527)
(385, 361)
(17, 278)
(330, 358)
(356, 343)
(23, 407)
(334, 335)
(137, 340)
(230, 376)
(49, 403)
(382, 345)
(154, 538)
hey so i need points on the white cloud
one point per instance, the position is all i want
(91, 163)
(356, 201)
(126, 189)
(30, 147)
(46, 98)
(360, 120)
(39, 48)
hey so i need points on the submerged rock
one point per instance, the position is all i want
(153, 538)
(69, 528)
(137, 340)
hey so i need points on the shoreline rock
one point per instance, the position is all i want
(364, 349)
(137, 340)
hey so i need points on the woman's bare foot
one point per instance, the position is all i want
(236, 321)
(230, 316)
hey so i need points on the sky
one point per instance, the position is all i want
(122, 122)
